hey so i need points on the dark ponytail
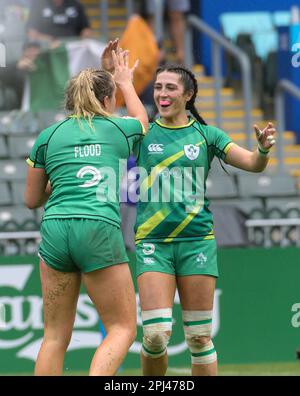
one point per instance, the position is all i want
(190, 84)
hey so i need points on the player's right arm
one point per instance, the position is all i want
(37, 189)
(109, 61)
(123, 77)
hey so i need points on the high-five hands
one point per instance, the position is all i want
(122, 72)
(106, 58)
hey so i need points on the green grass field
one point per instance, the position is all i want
(274, 369)
(262, 369)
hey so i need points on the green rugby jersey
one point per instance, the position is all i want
(176, 162)
(83, 165)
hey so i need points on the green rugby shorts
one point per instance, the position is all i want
(71, 245)
(178, 258)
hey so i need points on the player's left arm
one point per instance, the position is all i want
(257, 160)
(38, 189)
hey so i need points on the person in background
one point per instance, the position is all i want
(69, 169)
(176, 13)
(51, 20)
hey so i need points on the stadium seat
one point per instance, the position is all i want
(5, 196)
(245, 42)
(39, 213)
(270, 74)
(256, 35)
(17, 218)
(18, 122)
(281, 18)
(221, 187)
(5, 122)
(3, 148)
(288, 207)
(13, 170)
(20, 146)
(265, 42)
(266, 185)
(47, 118)
(13, 33)
(216, 169)
(247, 206)
(234, 23)
(18, 189)
(229, 226)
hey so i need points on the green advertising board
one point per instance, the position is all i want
(256, 313)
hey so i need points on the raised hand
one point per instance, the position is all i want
(122, 72)
(265, 137)
(106, 58)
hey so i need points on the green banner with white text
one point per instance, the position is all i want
(256, 314)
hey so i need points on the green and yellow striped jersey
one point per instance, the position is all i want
(172, 205)
(83, 165)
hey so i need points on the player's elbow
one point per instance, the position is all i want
(31, 202)
(259, 168)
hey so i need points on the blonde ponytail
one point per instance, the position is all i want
(85, 94)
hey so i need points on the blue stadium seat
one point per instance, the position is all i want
(265, 42)
(259, 25)
(281, 18)
(234, 23)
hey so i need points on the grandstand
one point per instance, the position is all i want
(267, 205)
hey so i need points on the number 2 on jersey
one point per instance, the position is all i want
(89, 170)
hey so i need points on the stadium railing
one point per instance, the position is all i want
(280, 232)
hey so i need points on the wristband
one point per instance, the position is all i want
(262, 151)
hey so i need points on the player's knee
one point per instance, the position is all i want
(127, 331)
(132, 333)
(197, 329)
(196, 342)
(155, 343)
(157, 328)
(57, 342)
